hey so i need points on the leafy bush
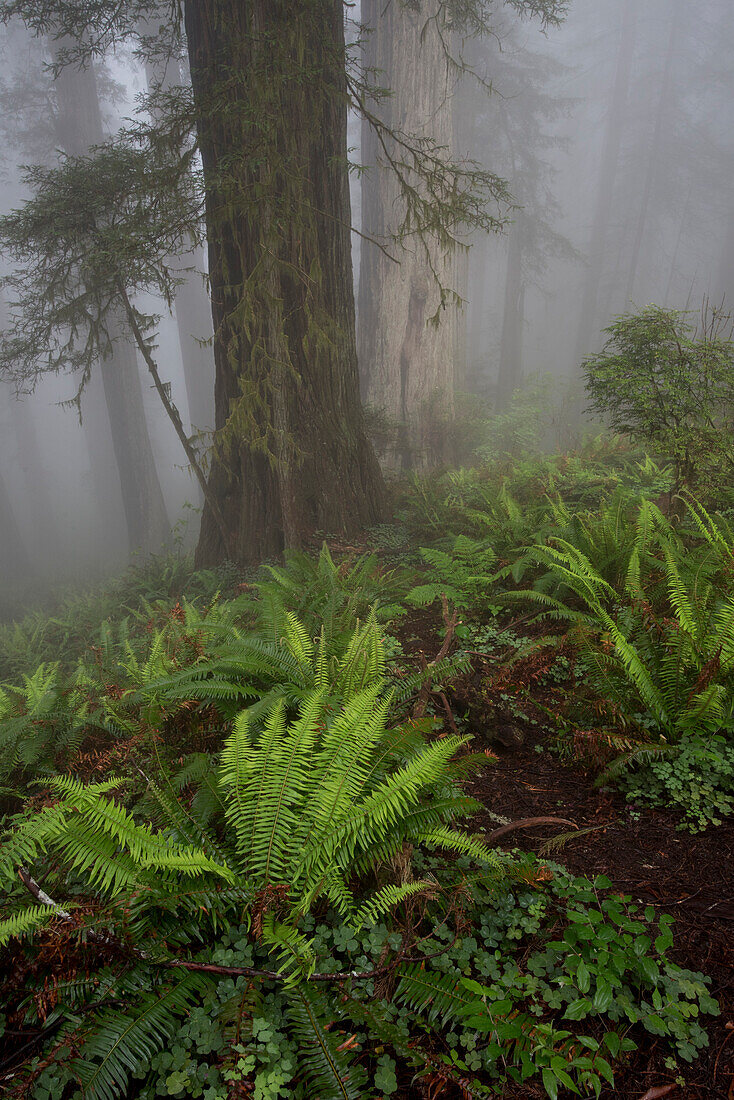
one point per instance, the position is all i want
(605, 964)
(535, 421)
(663, 382)
(532, 976)
(695, 777)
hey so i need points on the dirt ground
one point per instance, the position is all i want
(688, 876)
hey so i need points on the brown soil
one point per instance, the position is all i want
(689, 876)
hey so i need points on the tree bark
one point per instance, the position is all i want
(79, 126)
(407, 364)
(653, 155)
(291, 455)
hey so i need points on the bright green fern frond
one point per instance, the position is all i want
(387, 899)
(297, 640)
(25, 922)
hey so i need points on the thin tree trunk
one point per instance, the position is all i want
(653, 156)
(407, 364)
(14, 563)
(588, 316)
(292, 456)
(22, 428)
(510, 367)
(79, 126)
(724, 286)
(676, 251)
(192, 305)
(104, 472)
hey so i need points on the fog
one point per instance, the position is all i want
(614, 132)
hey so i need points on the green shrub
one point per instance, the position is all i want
(696, 778)
(662, 381)
(528, 975)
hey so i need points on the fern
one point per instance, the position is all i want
(463, 575)
(304, 803)
(436, 996)
(331, 1073)
(25, 923)
(120, 1043)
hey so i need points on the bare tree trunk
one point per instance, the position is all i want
(589, 313)
(192, 305)
(653, 155)
(14, 563)
(684, 221)
(724, 286)
(292, 455)
(513, 320)
(407, 364)
(103, 469)
(194, 322)
(22, 429)
(79, 126)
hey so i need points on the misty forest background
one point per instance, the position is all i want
(612, 132)
(366, 549)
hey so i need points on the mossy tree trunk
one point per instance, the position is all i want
(291, 455)
(407, 364)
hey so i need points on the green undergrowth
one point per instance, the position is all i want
(262, 772)
(539, 976)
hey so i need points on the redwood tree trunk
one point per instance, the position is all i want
(661, 115)
(291, 455)
(407, 365)
(14, 563)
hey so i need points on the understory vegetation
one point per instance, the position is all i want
(251, 861)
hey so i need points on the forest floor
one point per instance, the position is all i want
(689, 876)
(509, 706)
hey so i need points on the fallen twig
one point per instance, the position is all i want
(527, 823)
(213, 968)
